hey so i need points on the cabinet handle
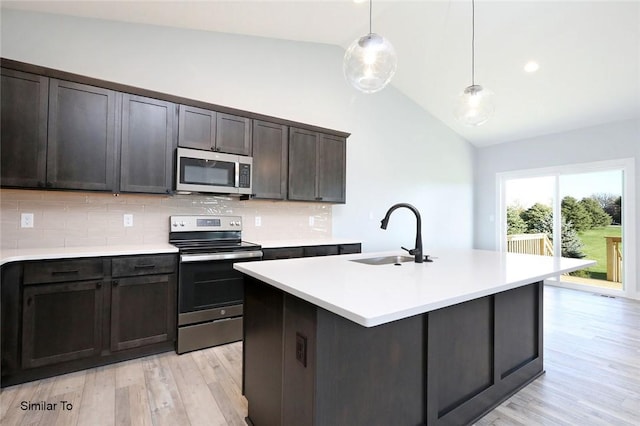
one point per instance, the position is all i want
(29, 300)
(115, 283)
(99, 285)
(71, 272)
(144, 266)
(319, 198)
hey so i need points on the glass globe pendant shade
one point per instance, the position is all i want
(475, 106)
(370, 63)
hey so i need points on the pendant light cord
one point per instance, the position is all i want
(370, 6)
(473, 42)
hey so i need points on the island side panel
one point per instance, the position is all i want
(263, 352)
(481, 352)
(369, 376)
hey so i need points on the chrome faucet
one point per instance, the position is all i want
(417, 251)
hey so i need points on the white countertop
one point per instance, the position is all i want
(371, 295)
(305, 242)
(17, 255)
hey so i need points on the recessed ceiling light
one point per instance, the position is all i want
(531, 66)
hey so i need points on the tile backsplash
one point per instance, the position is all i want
(72, 219)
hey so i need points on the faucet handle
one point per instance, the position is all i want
(412, 252)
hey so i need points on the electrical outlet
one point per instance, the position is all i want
(128, 220)
(312, 221)
(301, 349)
(258, 221)
(26, 220)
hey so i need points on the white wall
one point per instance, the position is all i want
(606, 142)
(397, 152)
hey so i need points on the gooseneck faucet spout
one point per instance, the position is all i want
(417, 251)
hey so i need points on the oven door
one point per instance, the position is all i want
(208, 281)
(202, 171)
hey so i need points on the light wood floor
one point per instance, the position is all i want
(592, 362)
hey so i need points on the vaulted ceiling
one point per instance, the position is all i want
(588, 52)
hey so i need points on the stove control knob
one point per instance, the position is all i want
(174, 224)
(181, 223)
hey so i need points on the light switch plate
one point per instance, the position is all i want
(128, 220)
(258, 221)
(26, 220)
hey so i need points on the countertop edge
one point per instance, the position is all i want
(306, 242)
(21, 255)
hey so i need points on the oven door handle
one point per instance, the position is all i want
(185, 258)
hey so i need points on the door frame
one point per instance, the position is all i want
(630, 289)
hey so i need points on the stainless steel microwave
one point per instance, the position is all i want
(205, 171)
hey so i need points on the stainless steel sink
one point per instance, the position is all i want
(385, 260)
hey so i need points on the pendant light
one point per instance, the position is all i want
(475, 104)
(370, 62)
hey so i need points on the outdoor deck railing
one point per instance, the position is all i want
(530, 244)
(614, 259)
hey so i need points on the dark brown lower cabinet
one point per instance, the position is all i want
(61, 322)
(142, 311)
(310, 251)
(60, 316)
(304, 365)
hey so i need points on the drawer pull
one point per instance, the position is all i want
(147, 266)
(98, 285)
(65, 272)
(115, 283)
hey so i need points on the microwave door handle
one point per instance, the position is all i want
(237, 184)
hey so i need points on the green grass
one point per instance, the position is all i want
(595, 248)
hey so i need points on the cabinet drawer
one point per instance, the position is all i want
(282, 253)
(320, 251)
(63, 270)
(350, 248)
(128, 266)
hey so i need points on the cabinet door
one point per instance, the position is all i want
(143, 311)
(350, 248)
(148, 144)
(282, 253)
(61, 322)
(197, 128)
(23, 129)
(233, 134)
(302, 164)
(81, 141)
(331, 169)
(270, 153)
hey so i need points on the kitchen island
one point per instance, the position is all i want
(335, 341)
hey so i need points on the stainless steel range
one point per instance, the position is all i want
(210, 291)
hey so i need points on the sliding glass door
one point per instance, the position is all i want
(579, 211)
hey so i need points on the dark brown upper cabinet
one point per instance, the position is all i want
(317, 164)
(81, 149)
(332, 168)
(233, 134)
(270, 153)
(23, 129)
(196, 128)
(147, 145)
(210, 130)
